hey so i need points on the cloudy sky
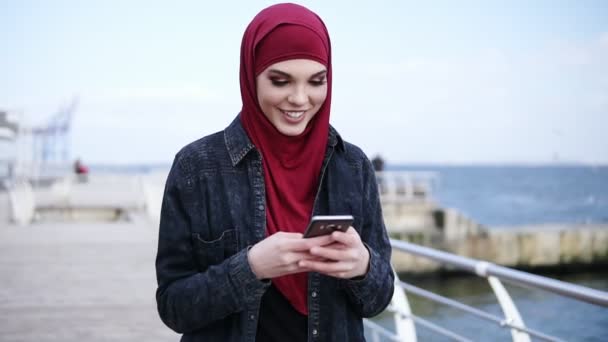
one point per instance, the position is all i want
(418, 82)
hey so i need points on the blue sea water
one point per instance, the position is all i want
(522, 195)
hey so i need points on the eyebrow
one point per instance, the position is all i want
(284, 74)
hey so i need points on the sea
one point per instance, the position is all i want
(503, 196)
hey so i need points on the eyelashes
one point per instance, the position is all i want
(318, 83)
(279, 83)
(283, 82)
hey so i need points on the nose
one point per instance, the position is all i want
(298, 97)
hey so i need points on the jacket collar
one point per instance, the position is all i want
(238, 143)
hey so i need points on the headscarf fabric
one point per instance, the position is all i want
(291, 164)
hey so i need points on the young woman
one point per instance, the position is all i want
(232, 262)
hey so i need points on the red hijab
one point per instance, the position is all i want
(292, 164)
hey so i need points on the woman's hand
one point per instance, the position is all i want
(280, 254)
(347, 257)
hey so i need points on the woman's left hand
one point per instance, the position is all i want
(347, 257)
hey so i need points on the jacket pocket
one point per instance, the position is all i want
(213, 252)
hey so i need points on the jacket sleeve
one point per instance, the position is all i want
(372, 293)
(186, 298)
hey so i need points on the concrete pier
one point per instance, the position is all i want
(528, 247)
(79, 281)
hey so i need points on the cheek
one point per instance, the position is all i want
(268, 96)
(318, 95)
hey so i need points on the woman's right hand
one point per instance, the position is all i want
(280, 253)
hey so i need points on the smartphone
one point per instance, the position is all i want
(322, 225)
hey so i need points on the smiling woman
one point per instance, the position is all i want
(232, 262)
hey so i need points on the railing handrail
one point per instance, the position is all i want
(485, 269)
(502, 322)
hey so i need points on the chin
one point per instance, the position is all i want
(291, 131)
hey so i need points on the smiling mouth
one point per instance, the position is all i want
(292, 114)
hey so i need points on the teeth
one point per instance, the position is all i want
(294, 115)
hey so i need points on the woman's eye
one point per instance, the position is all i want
(317, 82)
(279, 83)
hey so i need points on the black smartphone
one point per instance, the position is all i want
(323, 225)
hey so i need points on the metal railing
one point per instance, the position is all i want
(485, 269)
(494, 273)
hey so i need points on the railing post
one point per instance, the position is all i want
(22, 201)
(405, 327)
(509, 309)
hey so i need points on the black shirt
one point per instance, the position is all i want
(279, 321)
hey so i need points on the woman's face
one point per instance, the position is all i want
(291, 92)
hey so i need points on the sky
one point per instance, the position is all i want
(449, 82)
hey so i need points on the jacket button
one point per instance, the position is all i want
(261, 207)
(314, 331)
(252, 317)
(314, 294)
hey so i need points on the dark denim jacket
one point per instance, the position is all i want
(214, 209)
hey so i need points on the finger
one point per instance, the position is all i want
(296, 268)
(315, 258)
(295, 257)
(347, 238)
(326, 267)
(288, 235)
(307, 244)
(336, 254)
(320, 240)
(307, 256)
(336, 245)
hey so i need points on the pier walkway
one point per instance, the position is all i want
(79, 282)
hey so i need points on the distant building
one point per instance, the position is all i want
(34, 152)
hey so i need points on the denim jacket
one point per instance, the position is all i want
(214, 209)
